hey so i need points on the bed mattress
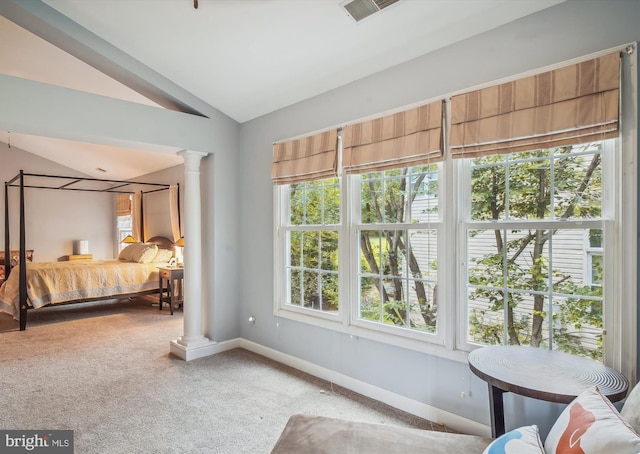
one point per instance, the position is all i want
(63, 282)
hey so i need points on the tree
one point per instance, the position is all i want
(527, 187)
(314, 253)
(387, 198)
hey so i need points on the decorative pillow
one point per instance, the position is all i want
(523, 440)
(127, 253)
(146, 254)
(163, 255)
(591, 425)
(138, 252)
(631, 408)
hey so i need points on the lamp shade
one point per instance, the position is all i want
(180, 242)
(129, 239)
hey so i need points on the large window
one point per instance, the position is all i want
(530, 241)
(520, 231)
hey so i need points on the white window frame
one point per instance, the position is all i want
(620, 320)
(465, 224)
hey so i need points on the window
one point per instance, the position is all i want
(123, 207)
(398, 246)
(528, 215)
(497, 240)
(312, 243)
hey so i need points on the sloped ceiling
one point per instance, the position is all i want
(244, 58)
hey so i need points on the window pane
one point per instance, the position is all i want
(295, 248)
(314, 204)
(595, 238)
(331, 202)
(370, 307)
(488, 189)
(295, 287)
(311, 249)
(528, 186)
(372, 209)
(423, 301)
(424, 194)
(577, 324)
(329, 250)
(578, 183)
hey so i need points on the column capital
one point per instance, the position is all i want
(192, 158)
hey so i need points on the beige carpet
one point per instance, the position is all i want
(103, 370)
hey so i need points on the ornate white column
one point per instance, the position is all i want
(192, 344)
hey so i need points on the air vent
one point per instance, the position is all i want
(359, 9)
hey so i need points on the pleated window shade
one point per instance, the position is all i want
(306, 159)
(123, 204)
(571, 105)
(402, 139)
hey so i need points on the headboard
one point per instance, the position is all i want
(161, 241)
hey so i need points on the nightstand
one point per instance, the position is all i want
(173, 288)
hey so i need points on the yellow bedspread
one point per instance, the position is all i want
(59, 282)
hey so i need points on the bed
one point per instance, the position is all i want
(134, 273)
(38, 284)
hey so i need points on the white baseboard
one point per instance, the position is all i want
(453, 421)
(199, 350)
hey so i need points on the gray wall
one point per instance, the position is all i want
(54, 219)
(569, 30)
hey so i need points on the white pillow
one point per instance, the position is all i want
(593, 424)
(163, 255)
(631, 408)
(146, 254)
(138, 252)
(523, 440)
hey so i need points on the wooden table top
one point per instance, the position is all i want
(549, 375)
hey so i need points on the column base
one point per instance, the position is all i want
(192, 349)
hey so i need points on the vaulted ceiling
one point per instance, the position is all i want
(244, 58)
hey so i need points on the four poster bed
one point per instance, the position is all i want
(33, 285)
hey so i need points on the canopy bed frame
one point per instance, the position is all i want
(66, 183)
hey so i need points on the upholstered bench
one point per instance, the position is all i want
(590, 422)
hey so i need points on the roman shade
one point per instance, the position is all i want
(123, 204)
(306, 159)
(402, 139)
(571, 105)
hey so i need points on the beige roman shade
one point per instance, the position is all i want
(123, 205)
(570, 105)
(306, 159)
(402, 139)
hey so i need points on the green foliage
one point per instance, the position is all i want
(388, 198)
(532, 185)
(314, 253)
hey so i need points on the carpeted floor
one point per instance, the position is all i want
(103, 370)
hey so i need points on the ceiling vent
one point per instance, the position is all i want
(359, 9)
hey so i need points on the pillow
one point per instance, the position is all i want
(145, 254)
(126, 254)
(631, 408)
(163, 255)
(138, 252)
(523, 440)
(593, 425)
